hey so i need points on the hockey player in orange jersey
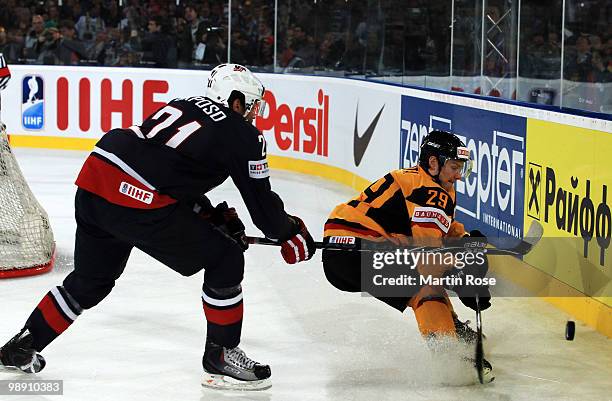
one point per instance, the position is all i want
(411, 206)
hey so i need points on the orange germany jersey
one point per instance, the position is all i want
(404, 203)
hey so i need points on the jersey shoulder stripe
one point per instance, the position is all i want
(345, 225)
(396, 205)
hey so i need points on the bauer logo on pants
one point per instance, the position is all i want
(32, 102)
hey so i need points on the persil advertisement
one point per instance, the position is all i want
(341, 123)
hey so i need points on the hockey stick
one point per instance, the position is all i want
(522, 248)
(479, 348)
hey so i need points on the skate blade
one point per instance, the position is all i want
(222, 382)
(11, 369)
(487, 376)
(15, 369)
(32, 368)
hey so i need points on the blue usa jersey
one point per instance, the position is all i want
(182, 151)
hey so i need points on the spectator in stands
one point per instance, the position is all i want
(303, 46)
(211, 49)
(70, 10)
(89, 25)
(608, 57)
(128, 39)
(111, 14)
(324, 55)
(192, 36)
(596, 44)
(47, 49)
(128, 59)
(156, 44)
(114, 47)
(264, 42)
(204, 14)
(8, 16)
(131, 20)
(536, 44)
(602, 63)
(10, 45)
(287, 45)
(249, 25)
(24, 20)
(70, 49)
(241, 52)
(52, 17)
(34, 39)
(415, 36)
(552, 48)
(216, 14)
(98, 50)
(265, 52)
(580, 65)
(598, 59)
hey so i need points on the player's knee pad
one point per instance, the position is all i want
(87, 291)
(223, 292)
(434, 317)
(226, 271)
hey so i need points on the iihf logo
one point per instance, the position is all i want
(32, 102)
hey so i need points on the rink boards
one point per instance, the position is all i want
(531, 163)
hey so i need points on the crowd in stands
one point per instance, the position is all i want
(157, 33)
(408, 37)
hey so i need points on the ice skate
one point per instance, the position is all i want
(464, 332)
(487, 370)
(230, 368)
(19, 354)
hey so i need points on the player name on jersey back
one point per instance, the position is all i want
(208, 107)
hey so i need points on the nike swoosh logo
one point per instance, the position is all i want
(360, 143)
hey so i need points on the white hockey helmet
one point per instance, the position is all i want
(227, 78)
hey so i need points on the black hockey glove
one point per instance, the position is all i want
(467, 292)
(484, 297)
(300, 246)
(226, 220)
(475, 267)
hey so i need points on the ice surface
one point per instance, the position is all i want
(145, 341)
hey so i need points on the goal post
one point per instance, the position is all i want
(26, 240)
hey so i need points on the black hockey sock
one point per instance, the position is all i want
(223, 310)
(53, 315)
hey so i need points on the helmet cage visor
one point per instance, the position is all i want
(254, 103)
(463, 155)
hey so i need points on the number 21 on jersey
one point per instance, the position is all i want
(181, 133)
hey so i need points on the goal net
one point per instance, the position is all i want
(26, 240)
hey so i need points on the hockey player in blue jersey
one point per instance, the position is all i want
(144, 187)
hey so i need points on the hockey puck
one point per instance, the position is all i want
(570, 329)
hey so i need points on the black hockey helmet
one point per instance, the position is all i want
(444, 146)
